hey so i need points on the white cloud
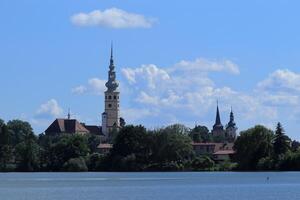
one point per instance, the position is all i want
(281, 79)
(94, 86)
(113, 18)
(49, 109)
(97, 86)
(205, 65)
(79, 90)
(281, 88)
(150, 73)
(185, 92)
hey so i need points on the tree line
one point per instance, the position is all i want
(137, 149)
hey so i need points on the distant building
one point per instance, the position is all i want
(104, 148)
(230, 132)
(111, 114)
(71, 126)
(218, 132)
(111, 120)
(218, 151)
(218, 129)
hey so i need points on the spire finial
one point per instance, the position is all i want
(69, 114)
(218, 119)
(111, 50)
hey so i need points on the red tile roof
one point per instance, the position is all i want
(66, 126)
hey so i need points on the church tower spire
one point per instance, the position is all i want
(111, 56)
(218, 130)
(112, 83)
(111, 114)
(218, 118)
(231, 128)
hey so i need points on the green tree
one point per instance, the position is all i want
(5, 147)
(93, 142)
(200, 134)
(171, 145)
(281, 141)
(253, 145)
(27, 153)
(75, 165)
(18, 130)
(202, 163)
(290, 161)
(131, 149)
(295, 145)
(178, 129)
(66, 147)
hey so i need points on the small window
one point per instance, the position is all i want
(109, 97)
(115, 97)
(109, 105)
(105, 97)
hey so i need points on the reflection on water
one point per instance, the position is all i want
(154, 186)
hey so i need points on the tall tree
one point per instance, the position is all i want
(18, 130)
(65, 148)
(131, 149)
(253, 145)
(282, 143)
(171, 145)
(28, 152)
(200, 134)
(5, 147)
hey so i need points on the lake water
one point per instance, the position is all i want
(150, 186)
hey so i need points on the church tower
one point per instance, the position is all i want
(111, 114)
(231, 128)
(218, 131)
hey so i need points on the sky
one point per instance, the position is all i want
(174, 60)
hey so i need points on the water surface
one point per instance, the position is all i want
(150, 186)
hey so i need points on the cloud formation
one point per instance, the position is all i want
(49, 109)
(184, 92)
(205, 65)
(281, 79)
(94, 86)
(112, 18)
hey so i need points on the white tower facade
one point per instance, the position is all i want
(111, 114)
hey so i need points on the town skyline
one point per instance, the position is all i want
(171, 69)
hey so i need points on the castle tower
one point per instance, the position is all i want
(218, 131)
(231, 128)
(111, 114)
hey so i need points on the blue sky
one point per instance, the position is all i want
(174, 60)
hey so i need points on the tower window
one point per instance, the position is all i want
(109, 97)
(115, 97)
(109, 105)
(105, 97)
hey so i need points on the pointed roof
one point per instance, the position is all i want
(112, 83)
(231, 122)
(218, 119)
(218, 124)
(111, 56)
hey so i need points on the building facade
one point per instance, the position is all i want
(224, 135)
(111, 114)
(231, 128)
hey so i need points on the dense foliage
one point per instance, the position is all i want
(137, 149)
